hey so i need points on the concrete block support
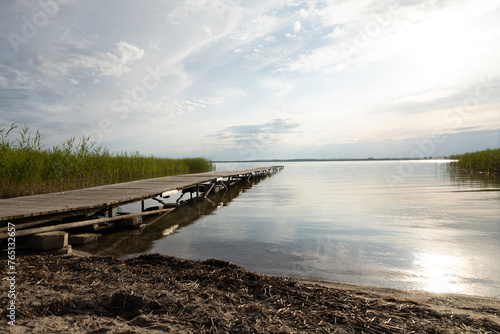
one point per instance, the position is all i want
(131, 222)
(48, 241)
(83, 238)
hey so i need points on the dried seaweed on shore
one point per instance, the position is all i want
(166, 294)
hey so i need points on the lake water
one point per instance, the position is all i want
(398, 224)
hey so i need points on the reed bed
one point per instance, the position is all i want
(487, 162)
(28, 168)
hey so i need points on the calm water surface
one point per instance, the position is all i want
(397, 224)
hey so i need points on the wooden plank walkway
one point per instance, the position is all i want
(103, 197)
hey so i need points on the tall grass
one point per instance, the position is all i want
(487, 161)
(28, 168)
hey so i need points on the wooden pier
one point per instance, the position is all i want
(27, 211)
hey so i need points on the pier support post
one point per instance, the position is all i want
(214, 183)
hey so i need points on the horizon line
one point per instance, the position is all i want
(335, 159)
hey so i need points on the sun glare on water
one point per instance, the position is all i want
(439, 272)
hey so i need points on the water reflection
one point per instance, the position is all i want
(124, 243)
(470, 181)
(440, 272)
(433, 230)
(170, 230)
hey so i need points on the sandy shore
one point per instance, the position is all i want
(158, 294)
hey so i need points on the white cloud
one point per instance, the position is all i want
(255, 136)
(426, 97)
(326, 58)
(169, 110)
(298, 32)
(207, 31)
(291, 3)
(338, 32)
(226, 94)
(254, 28)
(153, 46)
(114, 64)
(15, 79)
(436, 37)
(226, 62)
(128, 53)
(281, 88)
(297, 26)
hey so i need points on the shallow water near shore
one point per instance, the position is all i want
(398, 224)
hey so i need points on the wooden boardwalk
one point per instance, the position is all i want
(74, 202)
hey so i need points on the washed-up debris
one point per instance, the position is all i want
(156, 293)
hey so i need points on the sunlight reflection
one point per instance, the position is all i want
(440, 273)
(170, 230)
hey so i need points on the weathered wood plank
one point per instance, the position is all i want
(108, 195)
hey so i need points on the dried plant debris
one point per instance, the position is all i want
(157, 294)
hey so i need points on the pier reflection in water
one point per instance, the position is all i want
(359, 222)
(127, 243)
(356, 222)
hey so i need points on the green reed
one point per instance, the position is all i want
(487, 161)
(28, 168)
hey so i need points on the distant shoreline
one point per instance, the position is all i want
(320, 160)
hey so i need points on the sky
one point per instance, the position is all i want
(245, 80)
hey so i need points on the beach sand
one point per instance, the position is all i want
(157, 294)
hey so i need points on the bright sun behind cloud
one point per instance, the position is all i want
(439, 49)
(442, 46)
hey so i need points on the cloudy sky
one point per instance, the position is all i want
(240, 80)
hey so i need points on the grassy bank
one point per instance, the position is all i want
(487, 161)
(28, 168)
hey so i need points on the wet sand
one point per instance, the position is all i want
(157, 294)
